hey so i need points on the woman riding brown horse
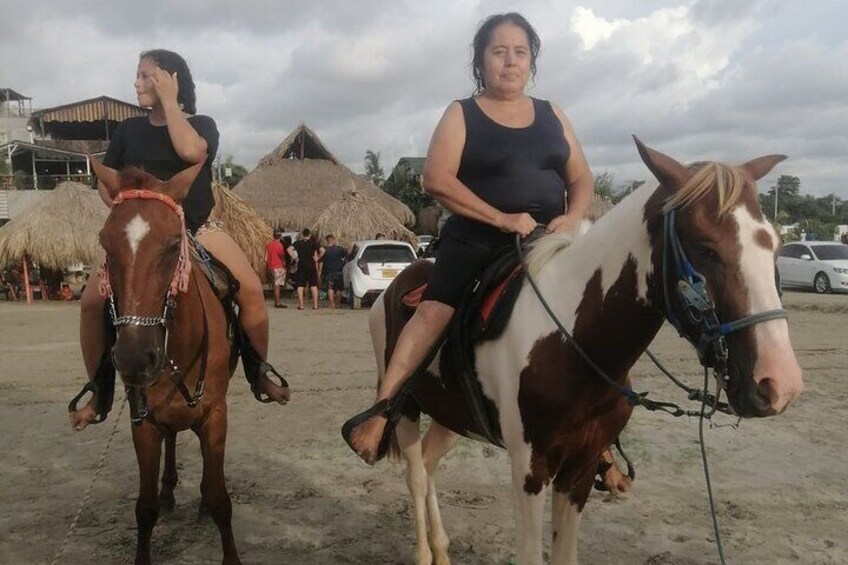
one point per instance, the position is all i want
(172, 338)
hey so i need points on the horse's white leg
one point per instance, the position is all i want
(565, 522)
(409, 440)
(437, 442)
(528, 509)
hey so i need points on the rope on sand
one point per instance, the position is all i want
(85, 499)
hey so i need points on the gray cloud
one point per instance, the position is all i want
(722, 79)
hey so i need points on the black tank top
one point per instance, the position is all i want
(513, 169)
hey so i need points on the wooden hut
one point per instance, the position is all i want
(293, 184)
(355, 216)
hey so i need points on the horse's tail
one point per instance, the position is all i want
(377, 327)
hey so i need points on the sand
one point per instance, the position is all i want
(301, 497)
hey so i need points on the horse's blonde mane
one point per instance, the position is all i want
(727, 182)
(544, 249)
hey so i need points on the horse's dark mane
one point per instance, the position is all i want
(137, 178)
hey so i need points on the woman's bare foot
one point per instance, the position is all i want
(616, 482)
(365, 438)
(277, 393)
(81, 418)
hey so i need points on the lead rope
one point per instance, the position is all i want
(707, 468)
(85, 499)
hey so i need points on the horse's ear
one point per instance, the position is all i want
(671, 174)
(107, 175)
(760, 167)
(179, 184)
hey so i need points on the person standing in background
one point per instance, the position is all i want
(334, 259)
(276, 266)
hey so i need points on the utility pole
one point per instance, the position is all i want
(775, 203)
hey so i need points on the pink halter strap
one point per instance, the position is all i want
(179, 282)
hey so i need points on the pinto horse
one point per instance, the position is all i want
(611, 289)
(172, 337)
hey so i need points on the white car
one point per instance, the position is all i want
(371, 266)
(820, 265)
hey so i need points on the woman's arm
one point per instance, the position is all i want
(581, 185)
(440, 180)
(189, 145)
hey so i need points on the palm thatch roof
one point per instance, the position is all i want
(294, 183)
(244, 225)
(60, 230)
(598, 208)
(354, 216)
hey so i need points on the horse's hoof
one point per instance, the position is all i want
(203, 514)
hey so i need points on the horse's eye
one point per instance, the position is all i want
(706, 252)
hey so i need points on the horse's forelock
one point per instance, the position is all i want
(726, 182)
(138, 179)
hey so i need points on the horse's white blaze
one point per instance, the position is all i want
(775, 357)
(136, 230)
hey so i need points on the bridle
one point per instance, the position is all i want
(709, 332)
(179, 283)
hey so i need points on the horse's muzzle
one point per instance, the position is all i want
(138, 358)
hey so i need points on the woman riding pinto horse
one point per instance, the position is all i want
(696, 251)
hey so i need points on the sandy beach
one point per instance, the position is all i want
(301, 497)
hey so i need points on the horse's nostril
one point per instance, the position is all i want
(768, 390)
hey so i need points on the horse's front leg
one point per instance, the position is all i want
(529, 505)
(409, 440)
(169, 474)
(213, 490)
(148, 450)
(566, 512)
(437, 442)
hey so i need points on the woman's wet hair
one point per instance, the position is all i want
(173, 63)
(484, 36)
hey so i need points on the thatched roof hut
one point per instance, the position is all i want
(293, 184)
(354, 216)
(60, 230)
(244, 225)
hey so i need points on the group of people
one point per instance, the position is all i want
(500, 160)
(306, 264)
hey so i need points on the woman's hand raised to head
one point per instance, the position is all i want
(522, 223)
(165, 85)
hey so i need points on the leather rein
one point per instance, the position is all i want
(139, 410)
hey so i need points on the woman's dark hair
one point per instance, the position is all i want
(173, 63)
(484, 36)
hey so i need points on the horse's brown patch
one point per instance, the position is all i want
(764, 239)
(570, 414)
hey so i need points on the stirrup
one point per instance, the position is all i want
(91, 387)
(388, 407)
(262, 369)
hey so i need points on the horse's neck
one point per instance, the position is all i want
(186, 335)
(602, 280)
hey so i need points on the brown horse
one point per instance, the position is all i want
(695, 250)
(172, 338)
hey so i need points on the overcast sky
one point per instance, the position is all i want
(701, 79)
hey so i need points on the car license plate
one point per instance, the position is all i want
(390, 273)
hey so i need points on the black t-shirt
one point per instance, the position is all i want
(513, 169)
(139, 143)
(305, 255)
(334, 259)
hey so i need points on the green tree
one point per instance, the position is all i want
(231, 172)
(373, 169)
(604, 183)
(408, 190)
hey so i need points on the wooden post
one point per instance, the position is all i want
(27, 288)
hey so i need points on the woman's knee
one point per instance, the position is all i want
(435, 314)
(250, 290)
(91, 302)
